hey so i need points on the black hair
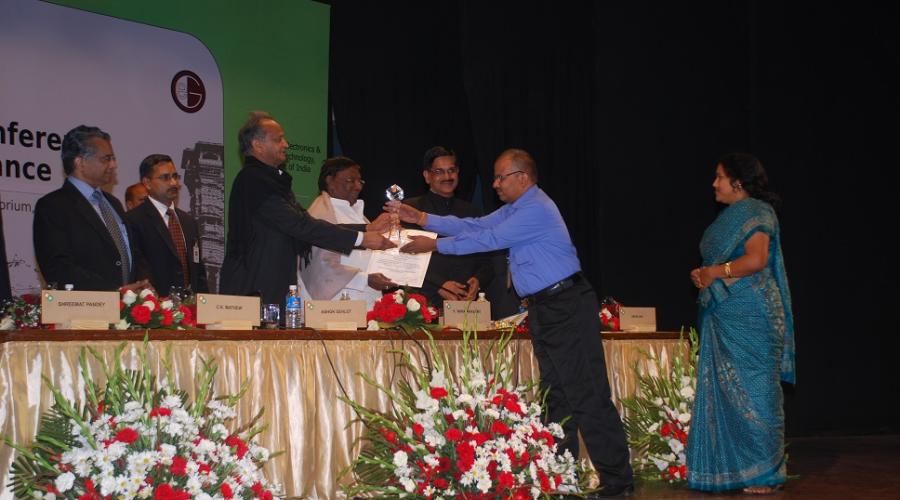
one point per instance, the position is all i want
(435, 152)
(147, 164)
(332, 166)
(748, 170)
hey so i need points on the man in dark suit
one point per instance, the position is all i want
(449, 277)
(80, 234)
(166, 236)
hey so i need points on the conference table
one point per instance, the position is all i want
(297, 376)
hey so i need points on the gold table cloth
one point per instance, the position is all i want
(297, 378)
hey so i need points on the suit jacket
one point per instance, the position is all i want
(442, 267)
(73, 245)
(161, 265)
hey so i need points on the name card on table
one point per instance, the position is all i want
(467, 315)
(335, 314)
(227, 312)
(637, 319)
(80, 310)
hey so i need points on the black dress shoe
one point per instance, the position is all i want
(611, 491)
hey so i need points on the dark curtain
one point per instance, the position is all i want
(626, 108)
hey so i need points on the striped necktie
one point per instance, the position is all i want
(180, 247)
(112, 225)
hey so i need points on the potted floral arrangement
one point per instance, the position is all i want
(135, 439)
(609, 314)
(146, 310)
(659, 415)
(21, 312)
(402, 309)
(463, 432)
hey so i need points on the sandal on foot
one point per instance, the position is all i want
(762, 490)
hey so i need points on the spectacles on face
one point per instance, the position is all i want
(105, 159)
(440, 172)
(504, 176)
(169, 177)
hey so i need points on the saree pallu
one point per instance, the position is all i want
(746, 348)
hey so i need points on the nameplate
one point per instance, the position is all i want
(227, 310)
(335, 314)
(467, 315)
(637, 319)
(60, 306)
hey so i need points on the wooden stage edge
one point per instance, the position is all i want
(264, 334)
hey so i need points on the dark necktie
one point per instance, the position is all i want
(180, 247)
(112, 225)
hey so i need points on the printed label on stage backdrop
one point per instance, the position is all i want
(153, 90)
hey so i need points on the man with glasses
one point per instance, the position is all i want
(166, 235)
(449, 277)
(80, 233)
(562, 308)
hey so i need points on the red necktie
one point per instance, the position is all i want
(180, 248)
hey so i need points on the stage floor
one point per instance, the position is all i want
(860, 467)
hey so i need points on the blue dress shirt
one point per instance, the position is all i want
(540, 249)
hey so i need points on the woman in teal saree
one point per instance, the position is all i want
(746, 339)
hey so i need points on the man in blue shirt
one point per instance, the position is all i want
(562, 307)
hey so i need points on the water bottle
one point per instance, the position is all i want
(293, 309)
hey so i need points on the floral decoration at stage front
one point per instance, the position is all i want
(133, 439)
(21, 313)
(469, 432)
(146, 310)
(659, 415)
(402, 309)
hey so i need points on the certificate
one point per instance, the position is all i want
(402, 268)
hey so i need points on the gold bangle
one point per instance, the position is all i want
(421, 221)
(728, 269)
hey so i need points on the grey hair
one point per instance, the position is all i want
(252, 129)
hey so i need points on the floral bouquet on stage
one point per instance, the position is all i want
(659, 415)
(133, 439)
(22, 312)
(609, 314)
(409, 311)
(146, 310)
(463, 432)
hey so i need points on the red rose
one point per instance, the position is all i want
(236, 442)
(127, 435)
(453, 434)
(499, 427)
(418, 430)
(179, 466)
(166, 492)
(166, 319)
(159, 411)
(226, 490)
(438, 392)
(140, 315)
(441, 483)
(506, 480)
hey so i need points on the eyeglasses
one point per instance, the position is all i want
(504, 176)
(105, 159)
(168, 177)
(440, 172)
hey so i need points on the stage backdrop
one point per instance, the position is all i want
(160, 78)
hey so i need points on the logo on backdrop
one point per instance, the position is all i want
(188, 91)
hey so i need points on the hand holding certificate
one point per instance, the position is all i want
(405, 268)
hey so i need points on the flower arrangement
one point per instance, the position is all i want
(409, 311)
(146, 310)
(21, 312)
(467, 432)
(609, 314)
(135, 440)
(658, 419)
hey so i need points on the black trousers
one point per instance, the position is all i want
(565, 333)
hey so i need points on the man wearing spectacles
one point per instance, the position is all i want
(166, 235)
(80, 233)
(562, 307)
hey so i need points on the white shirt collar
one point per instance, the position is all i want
(161, 208)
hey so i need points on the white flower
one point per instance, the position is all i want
(653, 427)
(408, 484)
(7, 323)
(413, 305)
(676, 446)
(123, 324)
(129, 297)
(372, 325)
(687, 392)
(166, 305)
(658, 401)
(398, 296)
(685, 381)
(65, 481)
(684, 418)
(400, 458)
(145, 292)
(149, 304)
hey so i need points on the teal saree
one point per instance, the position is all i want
(746, 348)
